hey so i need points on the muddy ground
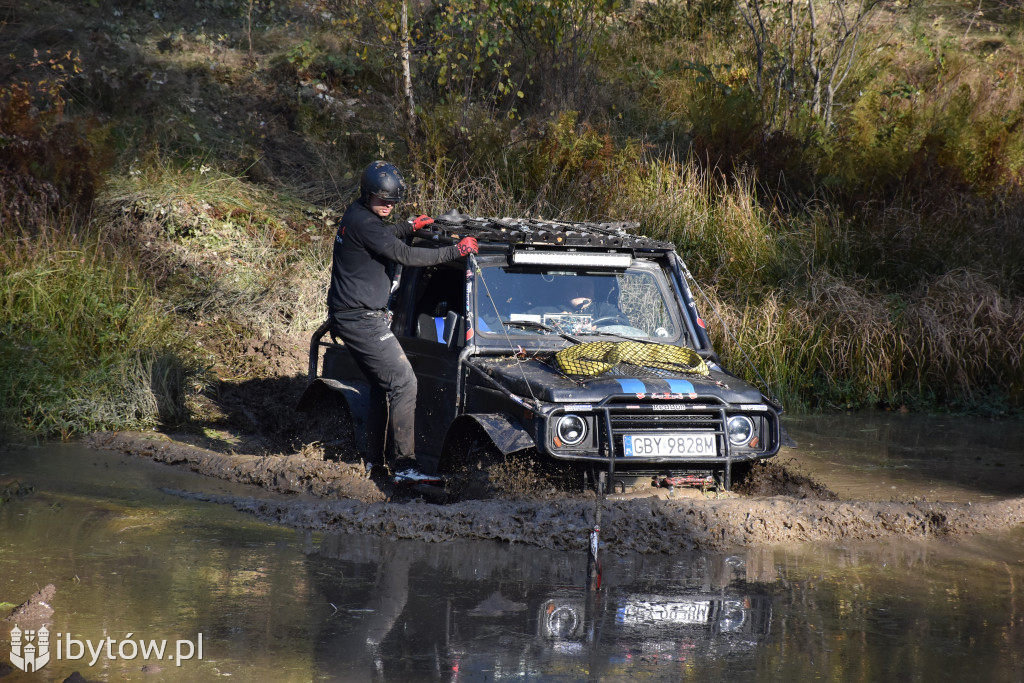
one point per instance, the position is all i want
(778, 507)
(250, 432)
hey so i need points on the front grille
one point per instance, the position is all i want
(680, 421)
(653, 422)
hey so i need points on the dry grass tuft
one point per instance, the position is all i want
(963, 335)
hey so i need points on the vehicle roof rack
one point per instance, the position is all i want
(510, 232)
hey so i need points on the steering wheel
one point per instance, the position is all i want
(619, 319)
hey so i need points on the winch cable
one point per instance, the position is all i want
(594, 569)
(693, 281)
(594, 573)
(512, 347)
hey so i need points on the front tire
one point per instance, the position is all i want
(473, 465)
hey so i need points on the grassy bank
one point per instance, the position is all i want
(170, 178)
(85, 342)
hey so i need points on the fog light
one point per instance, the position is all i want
(731, 616)
(741, 430)
(571, 429)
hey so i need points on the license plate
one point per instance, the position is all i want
(670, 445)
(637, 612)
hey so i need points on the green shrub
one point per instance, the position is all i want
(670, 20)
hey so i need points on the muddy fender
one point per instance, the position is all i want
(355, 398)
(507, 434)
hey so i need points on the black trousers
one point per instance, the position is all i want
(368, 337)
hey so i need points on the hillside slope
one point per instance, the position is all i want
(171, 174)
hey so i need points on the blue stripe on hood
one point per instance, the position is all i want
(680, 386)
(632, 386)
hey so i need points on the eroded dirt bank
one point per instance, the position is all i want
(784, 508)
(645, 526)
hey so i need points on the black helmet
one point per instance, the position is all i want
(382, 180)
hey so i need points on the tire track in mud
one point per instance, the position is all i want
(279, 473)
(353, 504)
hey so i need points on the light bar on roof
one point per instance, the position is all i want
(572, 258)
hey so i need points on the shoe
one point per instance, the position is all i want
(402, 464)
(414, 476)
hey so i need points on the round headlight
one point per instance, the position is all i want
(741, 430)
(571, 430)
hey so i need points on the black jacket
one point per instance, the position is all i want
(363, 249)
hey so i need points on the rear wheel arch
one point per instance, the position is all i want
(345, 406)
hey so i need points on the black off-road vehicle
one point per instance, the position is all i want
(578, 344)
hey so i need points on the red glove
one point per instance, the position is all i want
(421, 222)
(468, 245)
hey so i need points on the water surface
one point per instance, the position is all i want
(879, 456)
(284, 605)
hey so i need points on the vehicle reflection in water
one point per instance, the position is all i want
(473, 611)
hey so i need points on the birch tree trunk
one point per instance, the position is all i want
(410, 102)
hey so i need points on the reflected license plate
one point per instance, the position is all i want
(636, 612)
(669, 445)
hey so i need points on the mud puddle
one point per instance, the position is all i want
(127, 561)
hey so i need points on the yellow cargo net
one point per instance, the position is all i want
(594, 358)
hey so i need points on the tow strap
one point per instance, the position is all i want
(595, 358)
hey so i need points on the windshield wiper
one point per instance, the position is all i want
(599, 333)
(529, 325)
(534, 325)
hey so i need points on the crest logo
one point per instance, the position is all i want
(30, 650)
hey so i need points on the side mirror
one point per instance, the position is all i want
(454, 330)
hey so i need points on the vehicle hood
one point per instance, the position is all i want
(536, 378)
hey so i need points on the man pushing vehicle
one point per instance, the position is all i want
(365, 248)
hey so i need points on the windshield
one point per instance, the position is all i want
(630, 303)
